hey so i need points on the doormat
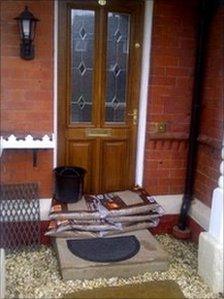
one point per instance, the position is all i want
(154, 289)
(105, 250)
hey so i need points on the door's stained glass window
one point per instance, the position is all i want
(118, 32)
(82, 53)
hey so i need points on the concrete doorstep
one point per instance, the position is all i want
(150, 257)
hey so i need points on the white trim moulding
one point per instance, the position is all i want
(29, 142)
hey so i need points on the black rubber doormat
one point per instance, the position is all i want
(105, 250)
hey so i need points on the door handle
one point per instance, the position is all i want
(134, 115)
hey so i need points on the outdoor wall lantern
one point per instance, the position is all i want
(102, 2)
(27, 26)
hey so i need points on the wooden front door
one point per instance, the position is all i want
(98, 85)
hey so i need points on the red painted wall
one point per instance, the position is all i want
(212, 123)
(170, 94)
(27, 93)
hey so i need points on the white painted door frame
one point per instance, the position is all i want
(143, 100)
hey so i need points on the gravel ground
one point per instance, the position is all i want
(36, 274)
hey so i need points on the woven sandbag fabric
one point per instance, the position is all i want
(105, 250)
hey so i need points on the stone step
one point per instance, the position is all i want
(151, 257)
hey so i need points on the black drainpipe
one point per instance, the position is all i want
(208, 8)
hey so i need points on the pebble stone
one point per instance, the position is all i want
(35, 274)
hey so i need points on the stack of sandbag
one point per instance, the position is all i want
(105, 215)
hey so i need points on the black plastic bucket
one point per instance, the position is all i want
(69, 182)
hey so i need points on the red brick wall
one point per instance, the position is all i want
(212, 124)
(17, 167)
(170, 94)
(27, 92)
(165, 166)
(207, 173)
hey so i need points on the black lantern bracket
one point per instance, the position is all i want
(27, 26)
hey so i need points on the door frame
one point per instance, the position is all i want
(143, 98)
(144, 88)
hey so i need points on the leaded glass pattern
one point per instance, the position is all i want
(117, 66)
(82, 50)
